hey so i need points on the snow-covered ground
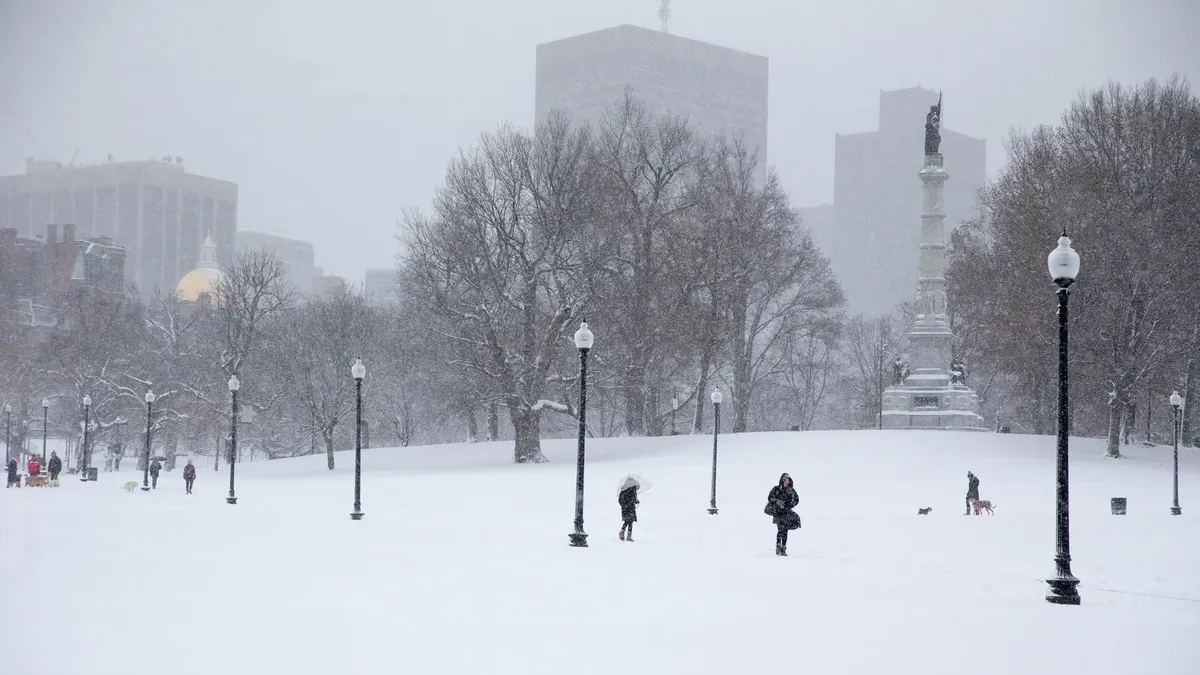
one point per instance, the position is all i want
(462, 564)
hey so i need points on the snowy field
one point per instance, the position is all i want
(461, 564)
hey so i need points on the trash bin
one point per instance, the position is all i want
(93, 473)
(1118, 506)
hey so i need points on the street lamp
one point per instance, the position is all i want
(1063, 262)
(45, 419)
(1177, 404)
(234, 385)
(87, 416)
(716, 401)
(583, 342)
(358, 371)
(146, 469)
(7, 428)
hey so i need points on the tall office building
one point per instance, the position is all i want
(719, 90)
(296, 254)
(877, 201)
(158, 211)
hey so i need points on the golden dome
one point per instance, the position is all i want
(204, 278)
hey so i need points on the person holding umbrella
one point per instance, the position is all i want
(627, 493)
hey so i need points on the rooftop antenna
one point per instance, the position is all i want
(664, 13)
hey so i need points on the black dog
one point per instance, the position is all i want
(925, 511)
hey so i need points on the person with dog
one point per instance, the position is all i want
(780, 502)
(13, 478)
(189, 476)
(972, 491)
(34, 466)
(55, 466)
(155, 468)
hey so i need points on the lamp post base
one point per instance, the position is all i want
(1062, 591)
(231, 500)
(145, 489)
(712, 511)
(579, 539)
(1176, 511)
(357, 515)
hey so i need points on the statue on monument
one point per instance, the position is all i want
(933, 128)
(899, 371)
(958, 371)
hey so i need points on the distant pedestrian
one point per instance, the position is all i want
(55, 466)
(780, 502)
(155, 468)
(13, 479)
(972, 491)
(628, 500)
(189, 476)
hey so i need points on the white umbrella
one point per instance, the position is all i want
(632, 480)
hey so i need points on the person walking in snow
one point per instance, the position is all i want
(12, 472)
(155, 468)
(34, 466)
(189, 476)
(780, 502)
(628, 500)
(54, 465)
(972, 491)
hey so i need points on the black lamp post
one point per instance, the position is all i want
(87, 418)
(583, 341)
(45, 422)
(358, 371)
(7, 429)
(146, 469)
(716, 401)
(234, 385)
(1177, 404)
(1063, 262)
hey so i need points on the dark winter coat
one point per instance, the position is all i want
(628, 501)
(155, 468)
(55, 465)
(189, 472)
(781, 500)
(972, 486)
(12, 470)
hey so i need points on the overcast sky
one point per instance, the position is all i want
(333, 116)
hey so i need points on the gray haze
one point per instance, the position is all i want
(332, 117)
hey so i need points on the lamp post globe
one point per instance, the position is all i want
(1063, 263)
(358, 371)
(716, 399)
(1177, 404)
(234, 385)
(83, 455)
(149, 414)
(583, 342)
(45, 422)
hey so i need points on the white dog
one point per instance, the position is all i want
(130, 486)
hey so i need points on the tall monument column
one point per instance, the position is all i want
(933, 394)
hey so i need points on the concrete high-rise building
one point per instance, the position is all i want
(719, 90)
(155, 209)
(875, 241)
(295, 253)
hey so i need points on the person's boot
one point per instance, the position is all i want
(778, 548)
(629, 537)
(783, 550)
(621, 535)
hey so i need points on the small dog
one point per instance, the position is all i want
(981, 505)
(925, 511)
(53, 483)
(130, 486)
(35, 481)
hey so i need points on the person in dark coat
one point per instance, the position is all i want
(12, 472)
(54, 465)
(628, 501)
(780, 502)
(155, 468)
(189, 476)
(972, 491)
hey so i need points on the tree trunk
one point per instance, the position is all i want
(493, 421)
(327, 435)
(1130, 422)
(635, 400)
(1116, 410)
(527, 427)
(701, 394)
(1191, 389)
(472, 426)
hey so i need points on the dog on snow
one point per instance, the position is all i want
(981, 505)
(925, 511)
(130, 486)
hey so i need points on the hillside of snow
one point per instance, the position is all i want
(462, 564)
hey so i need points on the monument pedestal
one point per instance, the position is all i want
(928, 398)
